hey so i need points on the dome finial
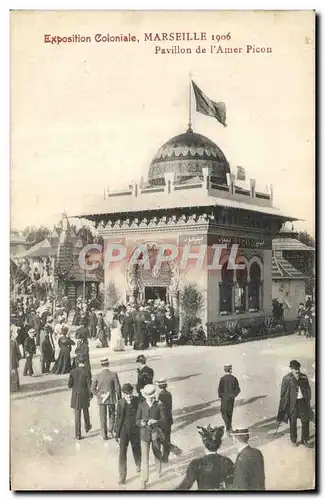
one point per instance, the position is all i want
(189, 130)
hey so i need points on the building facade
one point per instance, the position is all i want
(194, 203)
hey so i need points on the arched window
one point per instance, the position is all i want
(254, 287)
(240, 290)
(225, 292)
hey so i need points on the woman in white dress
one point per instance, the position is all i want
(117, 342)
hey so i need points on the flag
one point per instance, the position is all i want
(241, 174)
(205, 106)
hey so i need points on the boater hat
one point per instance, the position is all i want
(240, 432)
(148, 391)
(104, 361)
(162, 381)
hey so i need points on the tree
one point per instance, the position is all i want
(35, 234)
(191, 302)
(306, 239)
(111, 295)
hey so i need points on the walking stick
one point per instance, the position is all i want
(279, 423)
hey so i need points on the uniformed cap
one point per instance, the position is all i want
(140, 358)
(104, 361)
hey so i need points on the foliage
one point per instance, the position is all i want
(306, 239)
(191, 303)
(111, 295)
(35, 235)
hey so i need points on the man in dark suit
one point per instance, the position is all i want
(166, 398)
(150, 418)
(93, 323)
(145, 374)
(79, 382)
(128, 327)
(29, 352)
(228, 390)
(249, 474)
(126, 430)
(295, 403)
(106, 386)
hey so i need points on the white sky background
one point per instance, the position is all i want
(90, 116)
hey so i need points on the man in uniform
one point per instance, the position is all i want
(249, 474)
(295, 403)
(106, 386)
(29, 352)
(145, 373)
(228, 390)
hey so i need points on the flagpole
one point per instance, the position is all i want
(190, 105)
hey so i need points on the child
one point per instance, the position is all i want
(166, 398)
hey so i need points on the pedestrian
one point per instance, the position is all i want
(301, 318)
(83, 331)
(92, 323)
(169, 329)
(106, 386)
(145, 373)
(101, 331)
(15, 357)
(79, 382)
(128, 327)
(126, 430)
(29, 352)
(82, 350)
(116, 342)
(63, 363)
(212, 471)
(150, 418)
(47, 351)
(295, 403)
(228, 390)
(167, 400)
(249, 474)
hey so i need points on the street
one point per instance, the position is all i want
(45, 455)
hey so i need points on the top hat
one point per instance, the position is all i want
(148, 391)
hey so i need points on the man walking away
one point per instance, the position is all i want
(145, 374)
(29, 352)
(249, 474)
(93, 324)
(150, 418)
(295, 403)
(166, 398)
(106, 386)
(79, 382)
(228, 390)
(126, 430)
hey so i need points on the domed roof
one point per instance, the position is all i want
(186, 155)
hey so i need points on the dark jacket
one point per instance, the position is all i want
(104, 382)
(156, 412)
(128, 325)
(47, 349)
(145, 376)
(228, 386)
(211, 472)
(166, 398)
(29, 347)
(15, 355)
(120, 416)
(79, 382)
(249, 470)
(289, 392)
(93, 319)
(82, 333)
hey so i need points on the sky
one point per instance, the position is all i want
(87, 117)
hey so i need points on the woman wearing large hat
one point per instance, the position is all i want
(212, 471)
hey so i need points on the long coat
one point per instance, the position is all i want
(104, 382)
(249, 474)
(228, 386)
(120, 415)
(79, 382)
(289, 392)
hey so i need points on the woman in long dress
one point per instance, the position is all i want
(63, 363)
(117, 342)
(212, 471)
(101, 332)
